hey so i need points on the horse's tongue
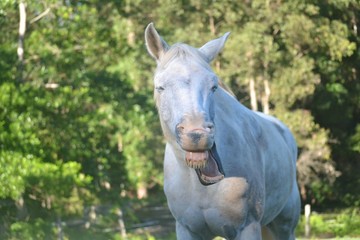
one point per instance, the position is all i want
(211, 168)
(212, 172)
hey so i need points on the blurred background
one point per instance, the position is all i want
(81, 148)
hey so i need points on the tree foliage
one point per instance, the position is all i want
(78, 124)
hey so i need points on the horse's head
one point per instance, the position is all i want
(185, 87)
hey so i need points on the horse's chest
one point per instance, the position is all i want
(216, 207)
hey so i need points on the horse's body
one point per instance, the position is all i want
(245, 162)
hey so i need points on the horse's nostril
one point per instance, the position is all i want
(180, 128)
(209, 127)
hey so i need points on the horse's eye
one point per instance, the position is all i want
(159, 89)
(213, 89)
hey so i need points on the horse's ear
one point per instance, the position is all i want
(211, 49)
(155, 45)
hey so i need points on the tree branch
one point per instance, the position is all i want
(41, 15)
(20, 49)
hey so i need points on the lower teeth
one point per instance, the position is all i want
(197, 164)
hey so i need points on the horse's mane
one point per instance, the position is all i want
(184, 51)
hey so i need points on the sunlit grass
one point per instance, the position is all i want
(344, 224)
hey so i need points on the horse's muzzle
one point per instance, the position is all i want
(195, 138)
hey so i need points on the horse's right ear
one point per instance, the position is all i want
(155, 45)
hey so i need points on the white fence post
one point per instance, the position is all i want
(307, 220)
(121, 224)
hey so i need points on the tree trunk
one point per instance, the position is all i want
(266, 97)
(213, 32)
(22, 212)
(303, 192)
(252, 89)
(265, 79)
(131, 33)
(20, 49)
(253, 100)
(142, 192)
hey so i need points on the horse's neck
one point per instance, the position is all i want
(230, 106)
(226, 88)
(235, 121)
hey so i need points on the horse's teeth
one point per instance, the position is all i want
(194, 162)
(204, 164)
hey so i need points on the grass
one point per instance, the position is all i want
(341, 225)
(344, 224)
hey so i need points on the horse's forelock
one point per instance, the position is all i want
(184, 52)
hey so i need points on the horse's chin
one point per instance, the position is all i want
(207, 165)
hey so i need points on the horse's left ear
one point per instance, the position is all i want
(211, 49)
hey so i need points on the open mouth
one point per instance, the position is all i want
(206, 164)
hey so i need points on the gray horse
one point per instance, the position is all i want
(229, 171)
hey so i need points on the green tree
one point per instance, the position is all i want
(294, 59)
(78, 129)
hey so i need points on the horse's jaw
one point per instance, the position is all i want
(207, 165)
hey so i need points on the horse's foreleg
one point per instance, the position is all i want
(267, 234)
(183, 233)
(250, 232)
(283, 226)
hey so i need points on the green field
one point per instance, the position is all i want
(154, 222)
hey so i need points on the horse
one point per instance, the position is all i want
(228, 171)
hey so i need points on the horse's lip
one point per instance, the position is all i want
(194, 147)
(207, 165)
